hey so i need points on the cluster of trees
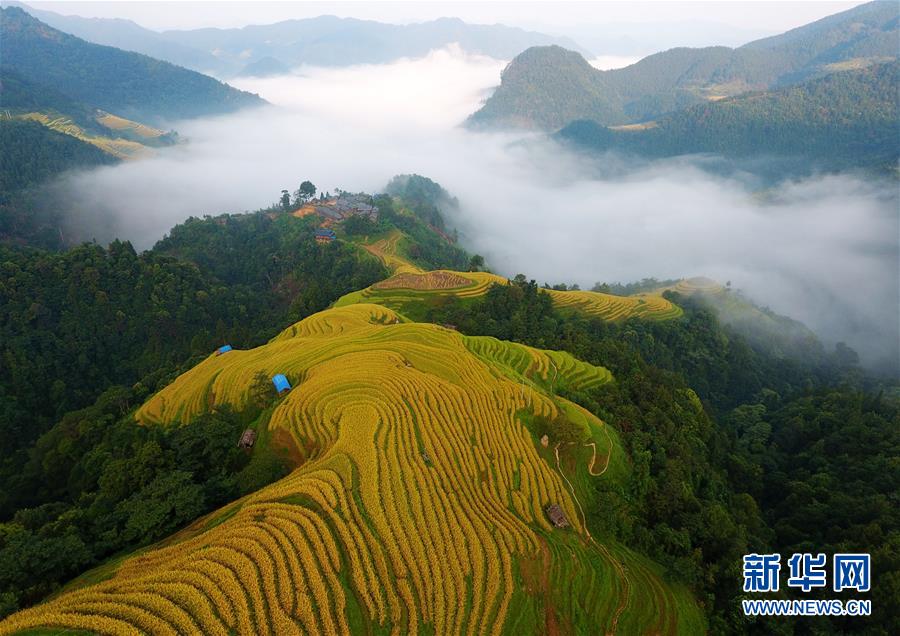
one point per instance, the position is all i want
(97, 484)
(304, 193)
(424, 196)
(776, 455)
(78, 322)
(637, 287)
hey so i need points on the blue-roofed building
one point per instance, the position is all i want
(325, 235)
(281, 384)
(223, 349)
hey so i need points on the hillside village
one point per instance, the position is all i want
(339, 208)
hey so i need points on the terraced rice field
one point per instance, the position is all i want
(419, 507)
(439, 279)
(698, 285)
(114, 122)
(387, 250)
(610, 307)
(406, 292)
(120, 148)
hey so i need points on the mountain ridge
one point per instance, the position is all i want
(322, 40)
(534, 84)
(128, 84)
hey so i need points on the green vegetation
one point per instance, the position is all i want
(425, 197)
(80, 322)
(842, 120)
(32, 153)
(102, 485)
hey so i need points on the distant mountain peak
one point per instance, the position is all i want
(547, 87)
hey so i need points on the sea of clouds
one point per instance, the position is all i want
(823, 250)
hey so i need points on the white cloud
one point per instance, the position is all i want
(823, 250)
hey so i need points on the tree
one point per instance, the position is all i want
(476, 262)
(285, 199)
(306, 192)
(262, 391)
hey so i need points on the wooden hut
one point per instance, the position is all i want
(324, 235)
(557, 516)
(247, 439)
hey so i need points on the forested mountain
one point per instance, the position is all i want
(548, 88)
(324, 40)
(120, 82)
(842, 120)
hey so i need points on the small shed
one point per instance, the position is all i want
(247, 439)
(557, 516)
(223, 349)
(281, 384)
(325, 235)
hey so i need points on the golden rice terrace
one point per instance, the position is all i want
(418, 504)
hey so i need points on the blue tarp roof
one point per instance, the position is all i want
(223, 349)
(325, 232)
(281, 383)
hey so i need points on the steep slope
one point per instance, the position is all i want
(417, 506)
(845, 119)
(780, 336)
(547, 88)
(127, 84)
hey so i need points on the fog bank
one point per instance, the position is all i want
(823, 250)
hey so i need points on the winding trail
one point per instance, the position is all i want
(594, 456)
(617, 565)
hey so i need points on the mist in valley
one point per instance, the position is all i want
(823, 250)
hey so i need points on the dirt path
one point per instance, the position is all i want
(594, 456)
(617, 565)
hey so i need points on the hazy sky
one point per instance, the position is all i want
(556, 17)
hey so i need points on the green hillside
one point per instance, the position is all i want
(548, 87)
(842, 120)
(33, 153)
(127, 84)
